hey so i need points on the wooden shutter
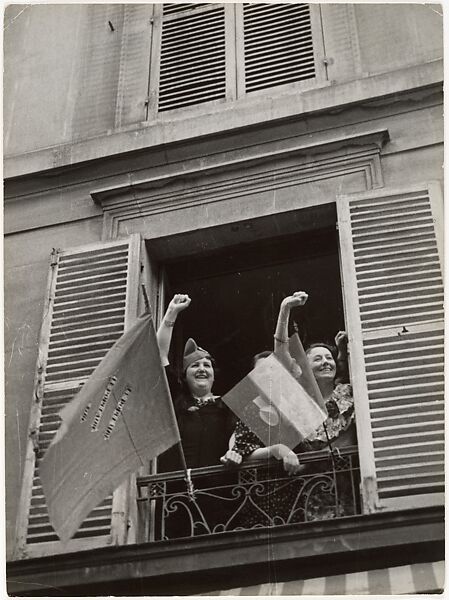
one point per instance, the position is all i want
(278, 45)
(135, 55)
(192, 55)
(92, 295)
(391, 252)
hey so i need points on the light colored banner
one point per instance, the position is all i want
(274, 405)
(121, 418)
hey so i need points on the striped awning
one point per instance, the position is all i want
(407, 579)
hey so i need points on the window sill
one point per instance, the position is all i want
(311, 549)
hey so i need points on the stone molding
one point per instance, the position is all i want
(334, 157)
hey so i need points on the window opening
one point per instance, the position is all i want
(236, 294)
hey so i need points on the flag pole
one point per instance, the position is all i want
(187, 478)
(333, 450)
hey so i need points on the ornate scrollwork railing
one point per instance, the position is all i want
(256, 495)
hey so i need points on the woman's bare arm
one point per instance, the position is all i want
(178, 303)
(281, 332)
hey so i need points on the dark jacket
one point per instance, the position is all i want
(205, 431)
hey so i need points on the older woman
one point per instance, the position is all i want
(205, 422)
(245, 445)
(339, 427)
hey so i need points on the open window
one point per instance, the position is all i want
(236, 294)
(389, 296)
(390, 248)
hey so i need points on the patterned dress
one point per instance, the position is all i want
(340, 410)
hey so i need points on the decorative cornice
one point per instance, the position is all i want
(321, 157)
(379, 536)
(311, 147)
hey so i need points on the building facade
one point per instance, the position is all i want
(235, 152)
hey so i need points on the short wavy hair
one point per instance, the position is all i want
(332, 349)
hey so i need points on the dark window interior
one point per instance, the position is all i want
(236, 293)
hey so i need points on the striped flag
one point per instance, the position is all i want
(274, 405)
(121, 418)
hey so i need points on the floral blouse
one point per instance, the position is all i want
(340, 411)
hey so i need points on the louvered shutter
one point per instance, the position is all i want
(391, 251)
(278, 45)
(192, 67)
(92, 296)
(135, 54)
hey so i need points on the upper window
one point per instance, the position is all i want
(218, 52)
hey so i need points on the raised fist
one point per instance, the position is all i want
(341, 340)
(178, 303)
(296, 299)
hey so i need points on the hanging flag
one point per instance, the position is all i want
(274, 405)
(122, 417)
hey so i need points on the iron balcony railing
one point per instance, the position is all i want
(254, 495)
